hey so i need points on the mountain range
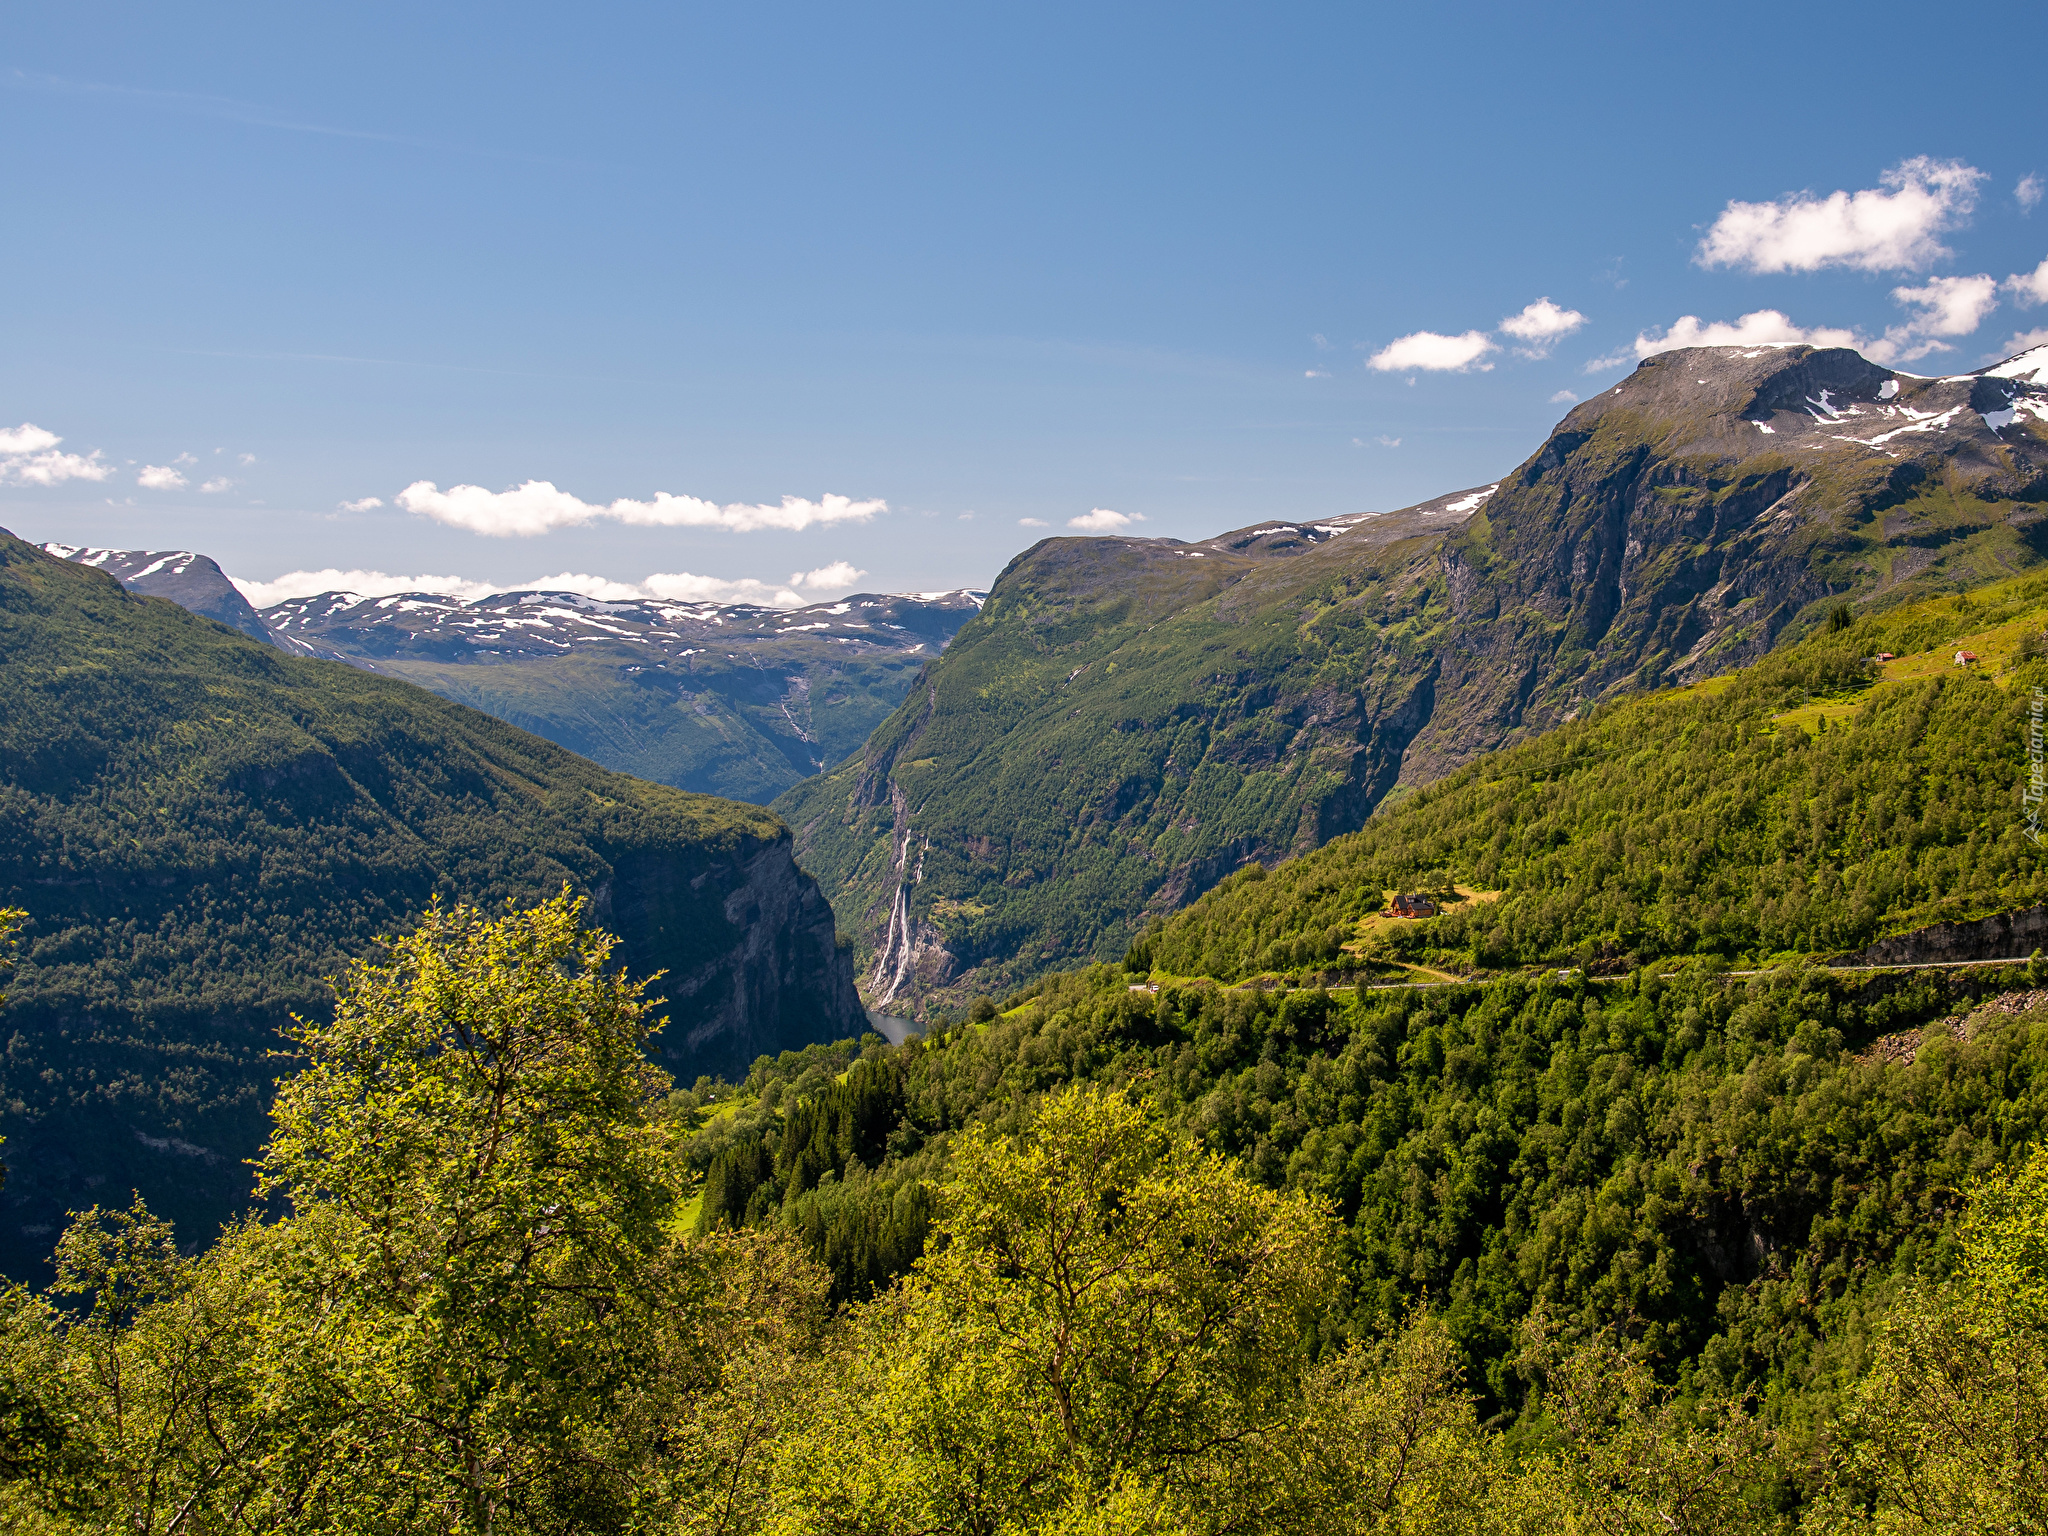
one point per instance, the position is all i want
(1127, 721)
(1123, 721)
(723, 698)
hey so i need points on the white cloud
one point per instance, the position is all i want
(537, 507)
(367, 504)
(1032, 522)
(1954, 306)
(1102, 520)
(1949, 306)
(1321, 342)
(217, 483)
(836, 577)
(185, 458)
(1438, 354)
(2027, 288)
(1388, 442)
(26, 438)
(687, 587)
(159, 477)
(1541, 325)
(2028, 192)
(264, 594)
(245, 458)
(1316, 373)
(1872, 230)
(681, 586)
(55, 468)
(29, 456)
(1761, 327)
(674, 586)
(1564, 397)
(2025, 341)
(605, 590)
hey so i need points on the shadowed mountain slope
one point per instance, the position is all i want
(202, 829)
(1128, 720)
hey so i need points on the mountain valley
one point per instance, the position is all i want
(1600, 1120)
(729, 699)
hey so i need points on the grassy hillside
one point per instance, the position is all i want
(1128, 721)
(201, 829)
(1810, 803)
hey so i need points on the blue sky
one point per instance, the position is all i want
(976, 264)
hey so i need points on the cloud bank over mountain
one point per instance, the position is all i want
(677, 586)
(537, 506)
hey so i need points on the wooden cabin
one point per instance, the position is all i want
(1406, 905)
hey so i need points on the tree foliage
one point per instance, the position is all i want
(476, 1315)
(1950, 1428)
(481, 1309)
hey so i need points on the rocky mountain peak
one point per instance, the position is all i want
(190, 580)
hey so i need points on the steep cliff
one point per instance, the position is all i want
(1129, 720)
(202, 829)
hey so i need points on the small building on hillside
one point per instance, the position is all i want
(1406, 905)
(1966, 658)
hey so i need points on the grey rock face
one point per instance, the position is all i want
(781, 984)
(191, 581)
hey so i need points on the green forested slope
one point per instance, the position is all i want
(1734, 1174)
(201, 829)
(1810, 803)
(747, 729)
(1738, 1172)
(1664, 1255)
(1128, 721)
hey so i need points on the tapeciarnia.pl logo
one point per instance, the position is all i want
(2035, 775)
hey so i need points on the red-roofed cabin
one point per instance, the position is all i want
(1966, 658)
(1406, 905)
